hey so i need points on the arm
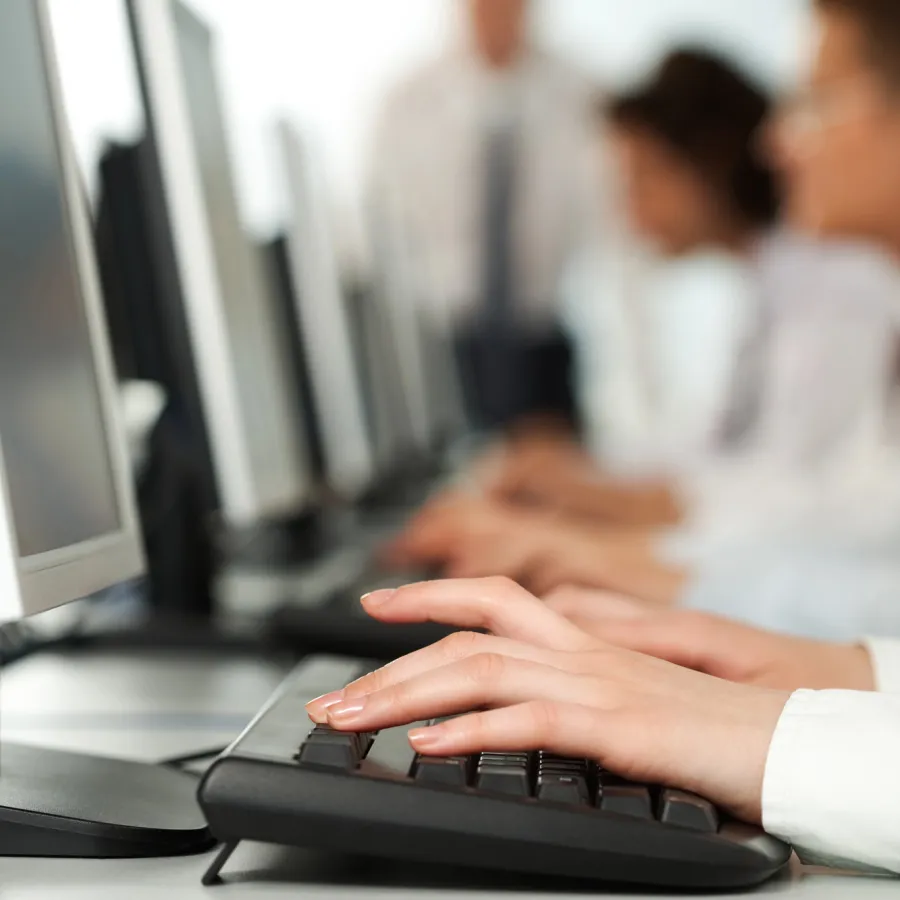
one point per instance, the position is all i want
(820, 733)
(832, 779)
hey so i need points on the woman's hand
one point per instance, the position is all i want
(542, 683)
(475, 537)
(541, 470)
(545, 555)
(447, 525)
(716, 645)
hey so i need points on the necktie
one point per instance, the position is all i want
(498, 301)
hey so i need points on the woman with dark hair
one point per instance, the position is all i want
(690, 154)
(757, 412)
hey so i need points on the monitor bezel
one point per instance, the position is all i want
(53, 578)
(168, 124)
(168, 121)
(314, 287)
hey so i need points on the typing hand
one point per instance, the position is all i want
(716, 645)
(444, 524)
(543, 554)
(540, 469)
(542, 683)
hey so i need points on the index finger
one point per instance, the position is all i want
(496, 604)
(453, 649)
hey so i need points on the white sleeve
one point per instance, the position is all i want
(885, 656)
(832, 779)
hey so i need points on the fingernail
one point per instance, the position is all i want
(317, 709)
(377, 598)
(326, 700)
(346, 712)
(424, 738)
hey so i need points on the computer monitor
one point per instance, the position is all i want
(269, 398)
(430, 377)
(323, 318)
(67, 518)
(249, 404)
(144, 294)
(393, 439)
(67, 512)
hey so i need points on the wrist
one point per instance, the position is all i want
(853, 668)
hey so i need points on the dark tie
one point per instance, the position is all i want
(498, 306)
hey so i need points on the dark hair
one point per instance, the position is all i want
(709, 113)
(880, 21)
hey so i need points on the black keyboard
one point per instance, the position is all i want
(341, 625)
(285, 781)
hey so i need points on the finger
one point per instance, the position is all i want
(586, 603)
(565, 728)
(495, 604)
(483, 681)
(547, 576)
(579, 567)
(623, 741)
(427, 541)
(452, 649)
(483, 560)
(691, 640)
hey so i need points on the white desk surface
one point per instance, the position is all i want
(149, 708)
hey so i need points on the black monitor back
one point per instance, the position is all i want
(143, 295)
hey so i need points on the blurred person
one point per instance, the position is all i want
(482, 192)
(809, 387)
(810, 361)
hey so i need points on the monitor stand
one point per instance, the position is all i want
(60, 804)
(284, 543)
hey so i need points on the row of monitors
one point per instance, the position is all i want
(190, 301)
(278, 385)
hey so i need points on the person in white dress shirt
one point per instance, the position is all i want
(764, 417)
(482, 189)
(800, 736)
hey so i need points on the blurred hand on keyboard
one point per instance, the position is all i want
(542, 683)
(716, 645)
(475, 537)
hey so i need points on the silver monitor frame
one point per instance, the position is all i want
(321, 309)
(34, 584)
(169, 122)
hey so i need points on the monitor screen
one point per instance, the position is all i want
(255, 327)
(59, 476)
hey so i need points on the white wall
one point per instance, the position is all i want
(620, 39)
(324, 62)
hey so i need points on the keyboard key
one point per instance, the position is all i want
(450, 771)
(500, 780)
(504, 773)
(547, 762)
(688, 811)
(563, 789)
(624, 798)
(332, 750)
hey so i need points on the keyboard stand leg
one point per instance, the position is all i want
(211, 876)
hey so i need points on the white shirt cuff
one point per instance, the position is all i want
(832, 779)
(885, 656)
